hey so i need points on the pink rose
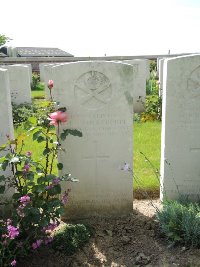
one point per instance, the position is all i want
(58, 117)
(50, 84)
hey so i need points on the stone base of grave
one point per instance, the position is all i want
(78, 211)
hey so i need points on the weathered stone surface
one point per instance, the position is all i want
(6, 129)
(141, 73)
(20, 83)
(180, 151)
(97, 96)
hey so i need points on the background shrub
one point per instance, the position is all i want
(36, 85)
(39, 110)
(180, 222)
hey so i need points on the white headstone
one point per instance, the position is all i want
(141, 73)
(160, 75)
(46, 74)
(98, 99)
(20, 81)
(6, 129)
(180, 149)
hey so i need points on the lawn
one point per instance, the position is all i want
(146, 140)
(39, 94)
(33, 146)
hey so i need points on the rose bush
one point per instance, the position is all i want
(37, 205)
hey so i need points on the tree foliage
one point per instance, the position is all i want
(4, 39)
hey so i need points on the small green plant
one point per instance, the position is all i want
(180, 222)
(70, 237)
(153, 108)
(136, 117)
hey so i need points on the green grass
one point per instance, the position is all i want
(147, 138)
(33, 146)
(37, 94)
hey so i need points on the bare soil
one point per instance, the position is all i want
(128, 241)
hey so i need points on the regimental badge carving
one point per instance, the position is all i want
(193, 83)
(93, 90)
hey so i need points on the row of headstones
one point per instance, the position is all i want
(99, 98)
(141, 73)
(15, 87)
(20, 79)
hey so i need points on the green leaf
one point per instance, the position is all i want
(30, 184)
(2, 178)
(41, 139)
(30, 176)
(49, 177)
(60, 166)
(61, 210)
(18, 173)
(41, 180)
(2, 147)
(73, 132)
(39, 170)
(46, 151)
(36, 135)
(39, 188)
(2, 189)
(16, 196)
(55, 190)
(44, 222)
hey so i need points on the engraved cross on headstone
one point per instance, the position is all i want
(96, 155)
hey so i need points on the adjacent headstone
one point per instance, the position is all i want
(98, 99)
(45, 76)
(141, 73)
(160, 75)
(180, 152)
(20, 83)
(6, 129)
(29, 67)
